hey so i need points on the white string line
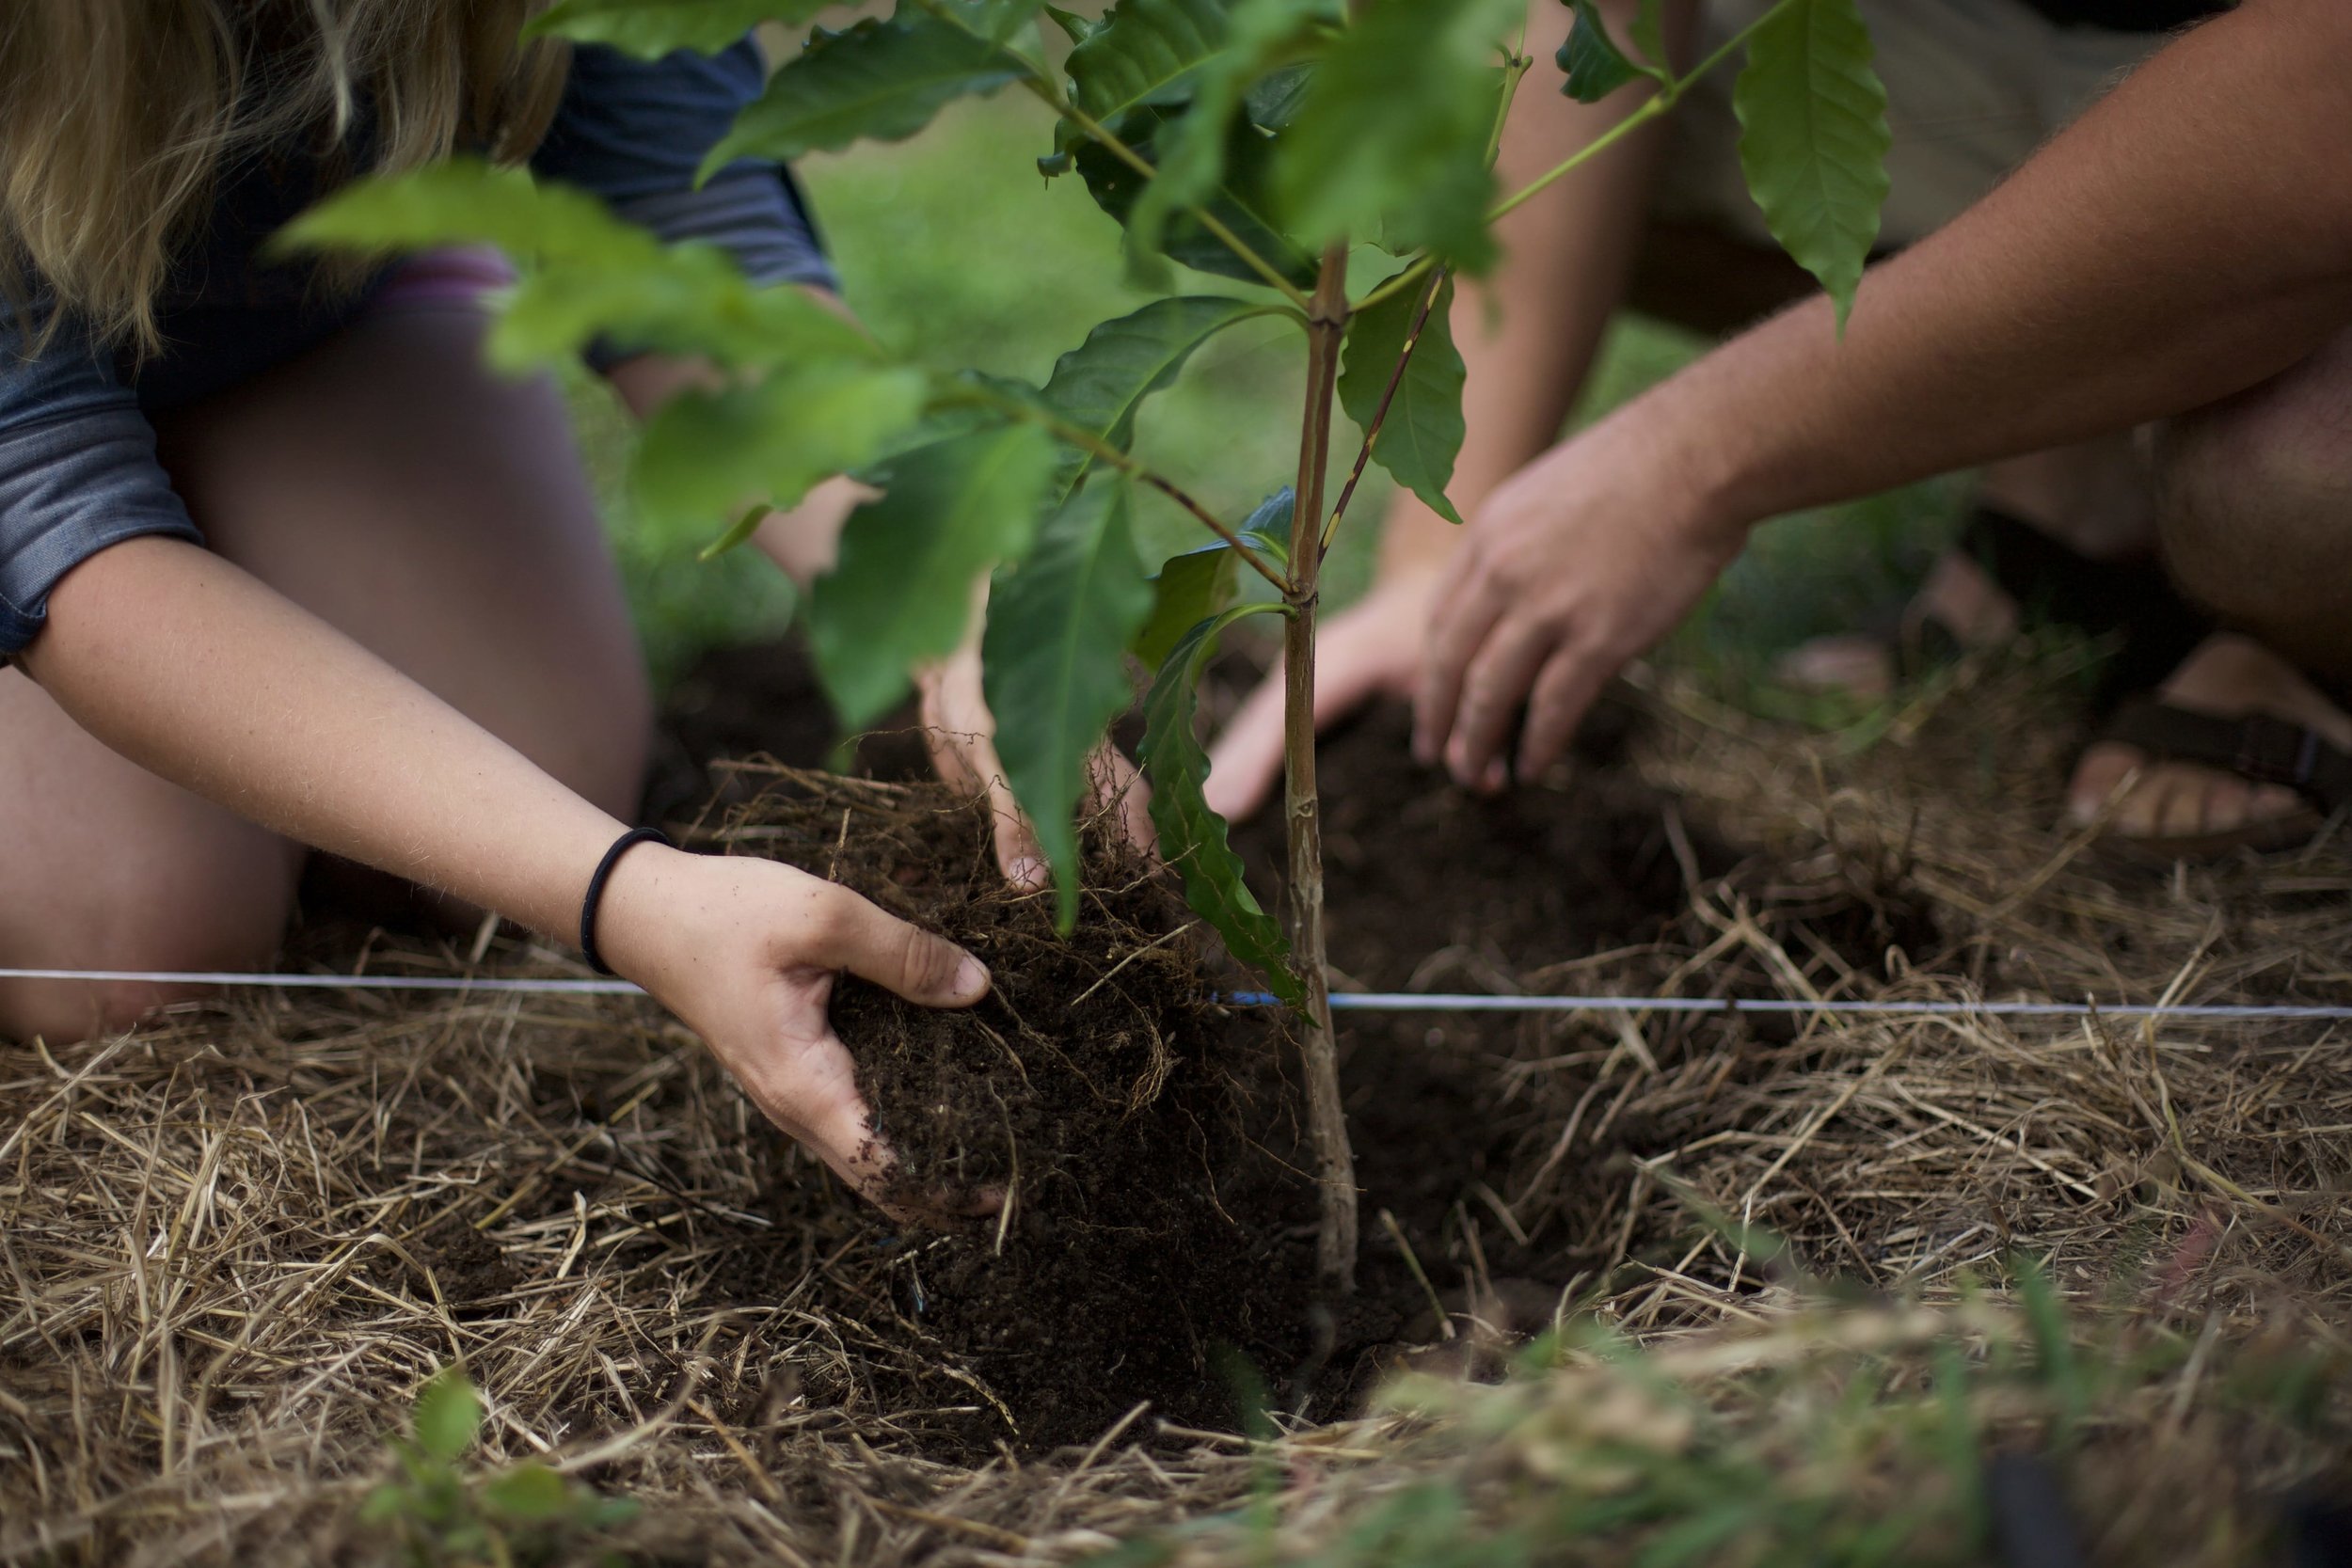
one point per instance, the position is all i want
(1372, 1002)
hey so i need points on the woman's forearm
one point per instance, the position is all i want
(199, 672)
(1527, 333)
(2190, 236)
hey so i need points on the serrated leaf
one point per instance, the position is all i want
(649, 29)
(1145, 52)
(1099, 385)
(1242, 201)
(1054, 671)
(1813, 139)
(1594, 65)
(902, 593)
(1392, 135)
(1192, 836)
(877, 80)
(706, 454)
(449, 1412)
(1197, 584)
(1422, 434)
(1189, 150)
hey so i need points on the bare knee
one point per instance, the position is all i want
(2254, 504)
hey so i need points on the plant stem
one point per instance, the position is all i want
(1388, 396)
(1326, 1117)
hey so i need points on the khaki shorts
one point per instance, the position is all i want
(1973, 87)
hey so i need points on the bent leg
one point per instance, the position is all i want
(111, 867)
(2255, 506)
(390, 485)
(2254, 498)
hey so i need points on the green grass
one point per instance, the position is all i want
(956, 251)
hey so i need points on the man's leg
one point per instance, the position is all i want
(2254, 507)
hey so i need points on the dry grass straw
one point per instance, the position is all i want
(234, 1242)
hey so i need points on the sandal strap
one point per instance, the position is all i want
(2257, 747)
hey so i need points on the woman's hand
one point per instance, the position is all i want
(962, 735)
(1580, 561)
(744, 951)
(1370, 650)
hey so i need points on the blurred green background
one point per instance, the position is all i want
(954, 250)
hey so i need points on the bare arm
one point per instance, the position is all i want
(2190, 236)
(189, 667)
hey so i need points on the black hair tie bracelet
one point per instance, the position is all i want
(621, 846)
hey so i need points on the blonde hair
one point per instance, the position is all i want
(117, 115)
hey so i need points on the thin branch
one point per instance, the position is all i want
(1388, 395)
(1086, 441)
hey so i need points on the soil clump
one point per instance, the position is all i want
(1102, 1087)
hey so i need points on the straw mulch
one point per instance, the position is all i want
(233, 1244)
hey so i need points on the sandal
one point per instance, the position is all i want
(2258, 748)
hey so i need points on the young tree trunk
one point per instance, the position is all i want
(1326, 1120)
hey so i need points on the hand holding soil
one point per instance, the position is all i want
(746, 953)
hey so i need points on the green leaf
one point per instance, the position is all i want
(1075, 28)
(879, 80)
(1648, 31)
(1242, 200)
(1813, 139)
(449, 1412)
(528, 1494)
(705, 454)
(1145, 52)
(1422, 434)
(1192, 146)
(902, 593)
(1192, 836)
(1101, 384)
(1594, 65)
(651, 28)
(1198, 583)
(1392, 137)
(1053, 670)
(585, 272)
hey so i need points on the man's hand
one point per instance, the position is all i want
(961, 734)
(745, 952)
(1370, 650)
(1578, 562)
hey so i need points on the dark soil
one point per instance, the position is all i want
(1101, 1084)
(1158, 1219)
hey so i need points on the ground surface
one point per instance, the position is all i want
(236, 1242)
